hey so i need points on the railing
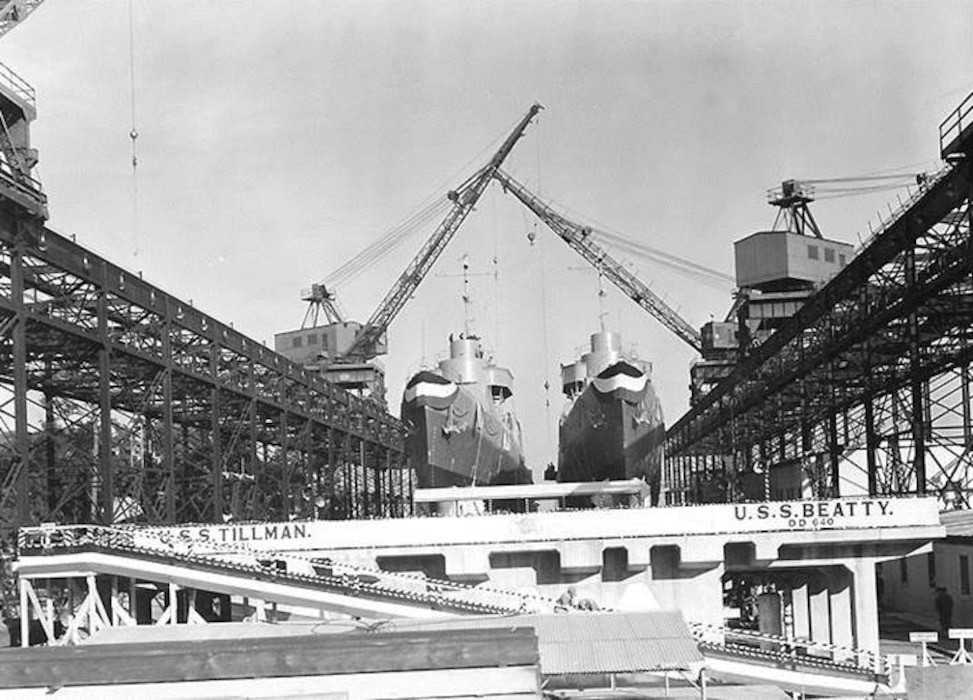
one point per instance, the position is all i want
(904, 206)
(828, 657)
(953, 125)
(17, 85)
(355, 580)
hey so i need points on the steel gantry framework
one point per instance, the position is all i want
(867, 389)
(119, 402)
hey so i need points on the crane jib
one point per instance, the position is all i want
(579, 238)
(463, 198)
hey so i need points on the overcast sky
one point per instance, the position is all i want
(279, 139)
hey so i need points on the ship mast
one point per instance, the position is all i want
(467, 299)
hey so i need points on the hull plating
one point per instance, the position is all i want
(460, 423)
(613, 429)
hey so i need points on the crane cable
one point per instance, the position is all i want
(684, 266)
(133, 134)
(545, 330)
(430, 208)
(388, 242)
(879, 181)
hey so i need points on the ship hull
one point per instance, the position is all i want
(613, 432)
(462, 441)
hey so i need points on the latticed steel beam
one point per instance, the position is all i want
(121, 402)
(870, 376)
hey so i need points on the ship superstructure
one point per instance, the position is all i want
(462, 430)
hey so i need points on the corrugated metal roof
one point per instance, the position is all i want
(594, 642)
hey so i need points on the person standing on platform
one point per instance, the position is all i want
(944, 607)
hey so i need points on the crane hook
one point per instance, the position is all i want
(133, 134)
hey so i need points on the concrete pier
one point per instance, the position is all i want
(818, 556)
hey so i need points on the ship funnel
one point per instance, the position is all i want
(465, 364)
(606, 348)
(465, 346)
(606, 341)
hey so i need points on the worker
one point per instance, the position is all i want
(568, 600)
(944, 607)
(587, 604)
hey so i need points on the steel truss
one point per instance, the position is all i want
(867, 389)
(119, 402)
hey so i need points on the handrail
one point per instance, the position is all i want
(904, 206)
(861, 660)
(954, 123)
(17, 85)
(144, 540)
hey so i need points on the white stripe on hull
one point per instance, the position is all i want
(431, 390)
(620, 381)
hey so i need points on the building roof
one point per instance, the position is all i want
(958, 523)
(568, 643)
(268, 657)
(595, 642)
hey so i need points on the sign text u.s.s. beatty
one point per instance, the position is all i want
(777, 516)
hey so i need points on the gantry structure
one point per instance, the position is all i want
(867, 388)
(122, 403)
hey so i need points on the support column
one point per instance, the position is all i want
(871, 447)
(865, 603)
(101, 487)
(918, 422)
(842, 624)
(168, 439)
(801, 611)
(21, 465)
(834, 452)
(216, 422)
(286, 465)
(819, 610)
(24, 614)
(105, 506)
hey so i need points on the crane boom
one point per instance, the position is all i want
(13, 12)
(464, 198)
(579, 238)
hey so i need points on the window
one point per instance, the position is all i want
(829, 255)
(903, 570)
(964, 574)
(931, 565)
(812, 252)
(312, 339)
(842, 259)
(297, 341)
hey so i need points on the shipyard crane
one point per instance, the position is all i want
(580, 239)
(13, 12)
(323, 300)
(17, 110)
(351, 347)
(464, 198)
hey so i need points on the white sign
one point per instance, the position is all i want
(923, 636)
(268, 536)
(858, 515)
(819, 515)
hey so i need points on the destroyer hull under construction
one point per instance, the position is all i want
(613, 427)
(461, 429)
